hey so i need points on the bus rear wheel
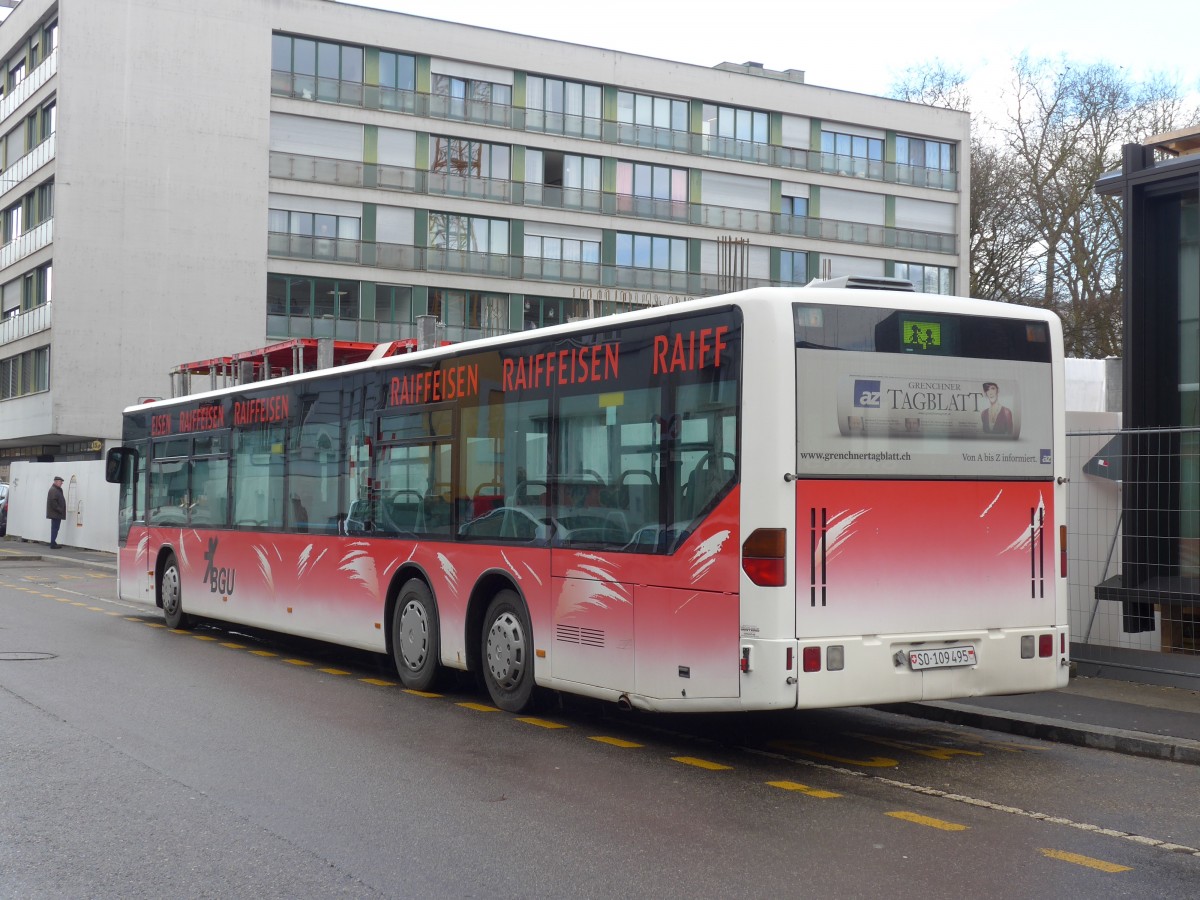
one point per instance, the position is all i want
(170, 591)
(415, 643)
(507, 646)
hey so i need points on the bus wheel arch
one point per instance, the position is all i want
(413, 635)
(168, 590)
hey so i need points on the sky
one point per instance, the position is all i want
(859, 45)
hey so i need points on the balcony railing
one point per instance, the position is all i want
(352, 93)
(407, 257)
(25, 88)
(25, 166)
(25, 323)
(351, 174)
(31, 241)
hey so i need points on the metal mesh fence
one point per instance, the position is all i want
(1133, 539)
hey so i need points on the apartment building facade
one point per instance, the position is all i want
(183, 181)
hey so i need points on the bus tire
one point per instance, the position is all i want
(170, 592)
(507, 648)
(416, 647)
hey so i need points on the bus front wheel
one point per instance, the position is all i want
(415, 644)
(170, 591)
(507, 647)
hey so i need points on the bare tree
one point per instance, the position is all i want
(1039, 233)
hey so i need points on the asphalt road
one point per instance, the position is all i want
(140, 762)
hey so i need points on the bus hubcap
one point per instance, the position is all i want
(414, 635)
(506, 650)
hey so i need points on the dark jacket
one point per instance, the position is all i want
(56, 503)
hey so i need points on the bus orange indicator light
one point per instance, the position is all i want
(1062, 551)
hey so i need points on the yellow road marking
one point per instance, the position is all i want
(334, 671)
(73, 602)
(479, 707)
(616, 742)
(96, 608)
(430, 694)
(803, 789)
(378, 682)
(133, 619)
(297, 662)
(926, 820)
(873, 762)
(1088, 861)
(540, 723)
(204, 637)
(921, 749)
(59, 599)
(701, 763)
(158, 625)
(233, 646)
(263, 653)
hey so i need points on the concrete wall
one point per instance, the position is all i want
(160, 201)
(91, 520)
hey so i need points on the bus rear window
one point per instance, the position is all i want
(917, 333)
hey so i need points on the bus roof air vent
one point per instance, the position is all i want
(864, 283)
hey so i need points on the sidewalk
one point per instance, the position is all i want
(1102, 713)
(13, 549)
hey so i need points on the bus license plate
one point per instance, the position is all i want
(942, 658)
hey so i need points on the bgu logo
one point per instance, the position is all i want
(866, 393)
(219, 581)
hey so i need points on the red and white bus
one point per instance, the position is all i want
(779, 498)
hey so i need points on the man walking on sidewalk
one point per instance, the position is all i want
(56, 510)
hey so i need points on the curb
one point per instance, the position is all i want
(1097, 737)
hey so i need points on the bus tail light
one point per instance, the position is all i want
(1045, 645)
(764, 557)
(1062, 551)
(810, 657)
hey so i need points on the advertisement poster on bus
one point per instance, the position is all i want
(873, 414)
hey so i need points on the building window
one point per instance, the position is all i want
(49, 120)
(37, 287)
(794, 206)
(42, 204)
(645, 251)
(25, 373)
(733, 123)
(470, 159)
(314, 235)
(566, 170)
(854, 146)
(793, 267)
(12, 222)
(469, 314)
(562, 180)
(300, 306)
(650, 111)
(562, 107)
(471, 89)
(321, 70)
(397, 71)
(393, 312)
(473, 234)
(542, 312)
(920, 153)
(642, 180)
(16, 75)
(930, 279)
